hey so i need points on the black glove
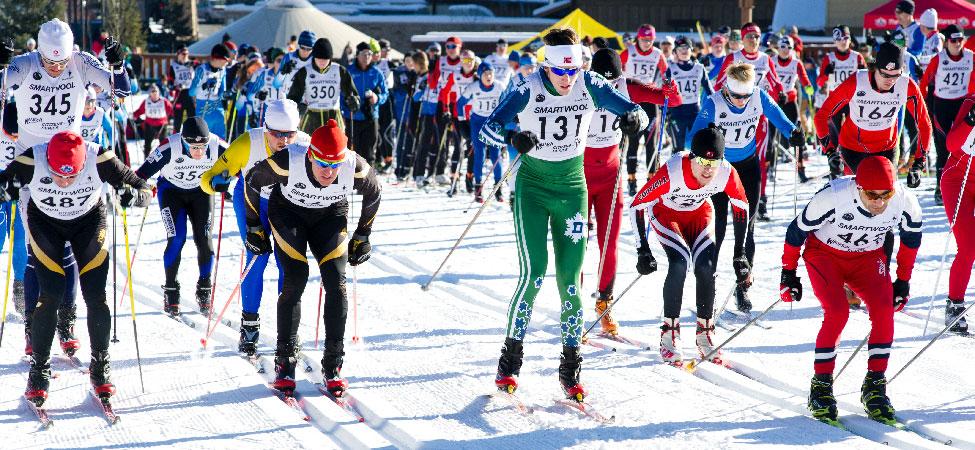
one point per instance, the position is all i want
(142, 197)
(796, 139)
(828, 145)
(705, 61)
(7, 52)
(5, 195)
(288, 66)
(258, 242)
(209, 84)
(126, 196)
(917, 71)
(914, 175)
(262, 95)
(508, 135)
(524, 141)
(113, 52)
(359, 249)
(790, 288)
(446, 116)
(220, 182)
(229, 96)
(352, 103)
(742, 269)
(783, 98)
(13, 190)
(630, 122)
(828, 70)
(902, 294)
(645, 262)
(970, 117)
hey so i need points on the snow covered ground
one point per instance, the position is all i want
(423, 369)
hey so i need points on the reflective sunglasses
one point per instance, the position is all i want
(785, 47)
(327, 164)
(956, 40)
(739, 96)
(467, 60)
(841, 39)
(450, 46)
(282, 134)
(707, 163)
(59, 64)
(889, 76)
(873, 195)
(752, 36)
(305, 47)
(65, 177)
(558, 71)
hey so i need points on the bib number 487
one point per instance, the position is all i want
(65, 202)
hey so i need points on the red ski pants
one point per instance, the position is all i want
(866, 274)
(951, 181)
(602, 166)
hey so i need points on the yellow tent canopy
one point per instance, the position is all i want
(578, 20)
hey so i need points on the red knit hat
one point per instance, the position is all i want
(875, 173)
(66, 153)
(328, 143)
(455, 40)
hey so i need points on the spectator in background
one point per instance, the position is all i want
(135, 59)
(913, 38)
(31, 45)
(433, 52)
(369, 81)
(734, 41)
(667, 48)
(715, 59)
(794, 34)
(98, 44)
(154, 114)
(292, 44)
(347, 55)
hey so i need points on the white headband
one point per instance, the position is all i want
(563, 55)
(740, 87)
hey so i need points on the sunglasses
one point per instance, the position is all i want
(451, 46)
(60, 64)
(752, 36)
(873, 195)
(785, 47)
(282, 134)
(841, 39)
(890, 76)
(327, 164)
(956, 40)
(467, 60)
(306, 48)
(707, 163)
(558, 71)
(739, 96)
(64, 177)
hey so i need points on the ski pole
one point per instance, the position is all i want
(10, 260)
(855, 351)
(135, 330)
(247, 270)
(216, 261)
(609, 222)
(487, 201)
(951, 226)
(660, 142)
(138, 243)
(112, 203)
(496, 162)
(610, 307)
(233, 115)
(932, 341)
(692, 366)
(318, 321)
(443, 143)
(355, 284)
(775, 171)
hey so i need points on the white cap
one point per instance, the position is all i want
(929, 18)
(586, 53)
(55, 40)
(281, 115)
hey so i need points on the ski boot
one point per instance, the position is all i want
(937, 198)
(822, 403)
(705, 340)
(420, 181)
(742, 301)
(569, 367)
(802, 175)
(452, 190)
(763, 210)
(284, 369)
(65, 328)
(511, 199)
(852, 299)
(101, 377)
(509, 365)
(608, 324)
(478, 193)
(670, 342)
(873, 395)
(387, 164)
(442, 179)
(498, 196)
(171, 299)
(469, 182)
(953, 309)
(250, 330)
(38, 380)
(203, 290)
(19, 304)
(631, 186)
(332, 368)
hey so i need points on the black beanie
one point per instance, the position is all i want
(889, 56)
(220, 51)
(362, 46)
(953, 31)
(195, 130)
(606, 62)
(708, 143)
(906, 6)
(322, 49)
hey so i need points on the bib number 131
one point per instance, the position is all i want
(562, 126)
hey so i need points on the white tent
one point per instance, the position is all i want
(804, 14)
(274, 23)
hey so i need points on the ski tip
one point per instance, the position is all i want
(691, 366)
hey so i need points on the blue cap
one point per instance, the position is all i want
(484, 67)
(514, 56)
(527, 60)
(307, 38)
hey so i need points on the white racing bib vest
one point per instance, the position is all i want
(872, 110)
(739, 129)
(762, 66)
(155, 109)
(445, 70)
(302, 192)
(322, 89)
(688, 82)
(212, 93)
(604, 129)
(383, 66)
(851, 227)
(561, 122)
(184, 171)
(461, 84)
(272, 93)
(289, 78)
(70, 202)
(45, 105)
(259, 152)
(788, 74)
(842, 69)
(952, 77)
(683, 198)
(8, 150)
(502, 71)
(91, 128)
(642, 68)
(483, 102)
(183, 74)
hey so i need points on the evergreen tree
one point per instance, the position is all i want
(20, 20)
(124, 22)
